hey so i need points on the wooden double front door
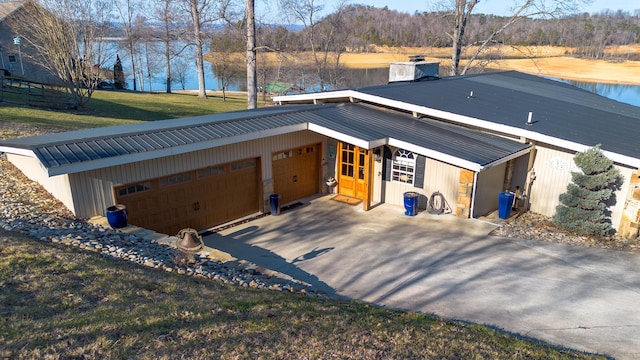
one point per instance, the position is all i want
(354, 168)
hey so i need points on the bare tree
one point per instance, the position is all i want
(165, 11)
(65, 35)
(128, 13)
(252, 86)
(204, 12)
(324, 38)
(521, 9)
(226, 56)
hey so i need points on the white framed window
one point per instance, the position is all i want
(403, 166)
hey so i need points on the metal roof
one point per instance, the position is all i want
(560, 111)
(83, 150)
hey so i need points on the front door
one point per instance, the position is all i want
(354, 171)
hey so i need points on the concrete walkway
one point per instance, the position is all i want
(582, 298)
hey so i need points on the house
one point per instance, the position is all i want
(465, 138)
(16, 56)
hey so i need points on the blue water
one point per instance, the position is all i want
(629, 94)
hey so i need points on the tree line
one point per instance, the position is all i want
(384, 27)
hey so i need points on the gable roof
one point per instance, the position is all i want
(358, 124)
(8, 8)
(562, 115)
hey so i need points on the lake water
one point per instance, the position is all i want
(356, 78)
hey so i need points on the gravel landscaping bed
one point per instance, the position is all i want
(532, 226)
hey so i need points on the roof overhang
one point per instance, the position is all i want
(150, 155)
(419, 110)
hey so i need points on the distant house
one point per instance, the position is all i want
(16, 57)
(465, 138)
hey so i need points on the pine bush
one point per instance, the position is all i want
(584, 206)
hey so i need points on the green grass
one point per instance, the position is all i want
(107, 108)
(59, 302)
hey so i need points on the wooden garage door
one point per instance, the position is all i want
(296, 172)
(197, 199)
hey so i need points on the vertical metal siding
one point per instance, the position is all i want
(94, 189)
(438, 176)
(58, 186)
(490, 183)
(553, 173)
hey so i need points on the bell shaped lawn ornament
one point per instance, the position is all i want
(189, 242)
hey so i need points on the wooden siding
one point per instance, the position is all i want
(438, 176)
(59, 186)
(488, 186)
(95, 187)
(553, 173)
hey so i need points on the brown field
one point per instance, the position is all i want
(542, 60)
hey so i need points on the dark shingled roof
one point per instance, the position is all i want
(560, 110)
(92, 148)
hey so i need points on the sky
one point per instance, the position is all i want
(498, 7)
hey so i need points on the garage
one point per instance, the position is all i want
(296, 172)
(196, 199)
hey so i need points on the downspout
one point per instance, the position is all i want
(473, 194)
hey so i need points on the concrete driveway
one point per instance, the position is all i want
(582, 298)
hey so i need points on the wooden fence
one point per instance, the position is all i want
(17, 91)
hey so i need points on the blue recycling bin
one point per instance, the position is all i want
(274, 203)
(505, 201)
(411, 203)
(117, 216)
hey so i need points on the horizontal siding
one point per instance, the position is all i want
(95, 187)
(58, 186)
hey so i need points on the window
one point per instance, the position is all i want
(13, 58)
(283, 155)
(134, 188)
(245, 164)
(175, 179)
(404, 166)
(211, 171)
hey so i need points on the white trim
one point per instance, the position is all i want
(17, 151)
(315, 96)
(507, 158)
(339, 136)
(473, 195)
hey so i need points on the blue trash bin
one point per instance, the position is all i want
(274, 203)
(505, 201)
(117, 216)
(411, 203)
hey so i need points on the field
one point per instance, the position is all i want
(543, 60)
